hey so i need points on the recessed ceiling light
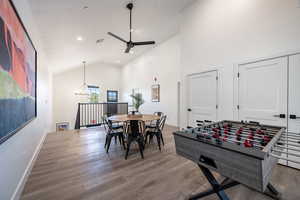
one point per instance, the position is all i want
(79, 38)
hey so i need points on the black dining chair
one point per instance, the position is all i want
(157, 131)
(134, 134)
(152, 124)
(113, 133)
(115, 125)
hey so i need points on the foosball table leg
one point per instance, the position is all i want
(273, 193)
(216, 187)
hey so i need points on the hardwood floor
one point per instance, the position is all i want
(74, 165)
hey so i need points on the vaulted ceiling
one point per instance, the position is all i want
(61, 22)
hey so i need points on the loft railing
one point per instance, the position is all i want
(90, 114)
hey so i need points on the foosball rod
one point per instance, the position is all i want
(288, 153)
(289, 144)
(289, 139)
(295, 138)
(266, 130)
(287, 159)
(247, 132)
(241, 133)
(247, 128)
(293, 141)
(243, 136)
(290, 133)
(235, 141)
(288, 148)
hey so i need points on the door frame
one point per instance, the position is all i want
(179, 90)
(252, 61)
(214, 69)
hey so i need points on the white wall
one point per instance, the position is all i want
(65, 102)
(218, 34)
(17, 153)
(162, 62)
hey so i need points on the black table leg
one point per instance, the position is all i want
(216, 187)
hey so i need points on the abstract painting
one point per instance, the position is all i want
(17, 73)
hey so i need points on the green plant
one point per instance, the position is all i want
(137, 100)
(94, 98)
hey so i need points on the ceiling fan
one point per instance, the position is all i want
(130, 44)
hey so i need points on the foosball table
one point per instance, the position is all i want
(243, 152)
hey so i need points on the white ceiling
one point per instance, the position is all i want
(60, 22)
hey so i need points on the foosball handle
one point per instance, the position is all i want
(254, 123)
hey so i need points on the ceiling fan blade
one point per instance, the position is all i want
(117, 37)
(127, 49)
(144, 43)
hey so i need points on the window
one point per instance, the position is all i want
(112, 96)
(94, 92)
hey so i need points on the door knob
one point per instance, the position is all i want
(294, 117)
(282, 116)
(189, 109)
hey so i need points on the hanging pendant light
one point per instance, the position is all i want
(83, 90)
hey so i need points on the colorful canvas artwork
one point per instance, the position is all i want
(17, 73)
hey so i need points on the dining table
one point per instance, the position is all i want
(130, 117)
(133, 120)
(134, 126)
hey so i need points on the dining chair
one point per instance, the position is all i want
(134, 134)
(157, 131)
(113, 133)
(152, 124)
(115, 125)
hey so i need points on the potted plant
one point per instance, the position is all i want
(137, 101)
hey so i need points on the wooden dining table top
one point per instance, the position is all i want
(123, 118)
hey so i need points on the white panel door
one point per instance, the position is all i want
(294, 107)
(262, 92)
(202, 97)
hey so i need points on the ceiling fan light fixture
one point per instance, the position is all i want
(130, 44)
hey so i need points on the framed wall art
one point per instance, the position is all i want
(112, 96)
(155, 93)
(18, 73)
(62, 126)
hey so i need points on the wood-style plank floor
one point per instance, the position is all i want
(74, 165)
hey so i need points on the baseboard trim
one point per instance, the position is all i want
(18, 192)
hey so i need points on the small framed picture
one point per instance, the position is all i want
(112, 96)
(155, 93)
(62, 126)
